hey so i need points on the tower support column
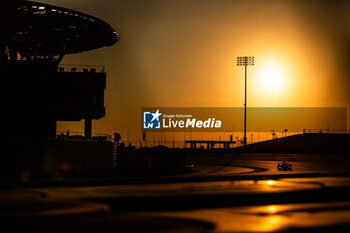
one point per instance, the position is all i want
(88, 128)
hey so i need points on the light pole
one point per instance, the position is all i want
(245, 61)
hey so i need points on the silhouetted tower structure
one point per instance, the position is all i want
(37, 91)
(245, 61)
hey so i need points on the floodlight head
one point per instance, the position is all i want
(245, 61)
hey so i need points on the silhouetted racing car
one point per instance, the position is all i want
(284, 166)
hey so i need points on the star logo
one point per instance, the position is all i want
(156, 115)
(151, 120)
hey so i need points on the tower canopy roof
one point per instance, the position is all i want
(37, 29)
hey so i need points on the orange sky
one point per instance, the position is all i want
(182, 53)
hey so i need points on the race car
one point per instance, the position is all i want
(284, 166)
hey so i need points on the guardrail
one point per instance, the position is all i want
(81, 68)
(325, 131)
(80, 135)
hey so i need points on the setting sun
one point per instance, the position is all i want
(272, 78)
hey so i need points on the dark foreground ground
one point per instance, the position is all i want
(227, 193)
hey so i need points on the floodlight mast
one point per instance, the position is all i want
(245, 61)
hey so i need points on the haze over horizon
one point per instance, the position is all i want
(183, 54)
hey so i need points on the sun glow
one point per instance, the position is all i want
(272, 78)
